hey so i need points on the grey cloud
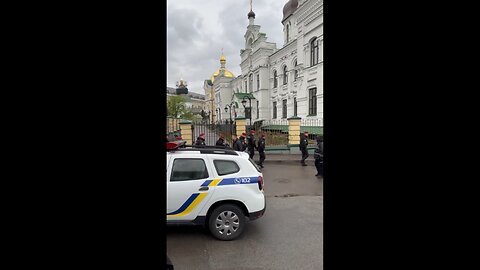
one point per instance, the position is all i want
(194, 47)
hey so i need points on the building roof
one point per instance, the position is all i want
(244, 95)
(289, 8)
(172, 91)
(227, 73)
(222, 70)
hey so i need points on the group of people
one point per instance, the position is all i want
(318, 154)
(244, 144)
(249, 144)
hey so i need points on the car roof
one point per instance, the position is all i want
(221, 152)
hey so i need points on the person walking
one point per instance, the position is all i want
(261, 149)
(243, 139)
(318, 155)
(239, 144)
(251, 144)
(234, 140)
(200, 139)
(221, 141)
(303, 147)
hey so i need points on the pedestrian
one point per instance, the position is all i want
(171, 137)
(303, 147)
(200, 139)
(243, 138)
(239, 143)
(318, 155)
(221, 141)
(234, 140)
(251, 144)
(261, 149)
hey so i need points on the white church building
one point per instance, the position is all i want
(279, 83)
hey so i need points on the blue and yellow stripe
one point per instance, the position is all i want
(196, 198)
(188, 205)
(211, 183)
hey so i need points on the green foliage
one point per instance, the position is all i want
(188, 115)
(176, 107)
(275, 138)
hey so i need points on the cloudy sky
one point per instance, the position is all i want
(197, 30)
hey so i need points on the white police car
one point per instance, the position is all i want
(217, 188)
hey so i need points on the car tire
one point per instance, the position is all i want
(226, 222)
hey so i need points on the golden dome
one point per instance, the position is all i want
(227, 73)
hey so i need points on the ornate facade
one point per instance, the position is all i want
(280, 83)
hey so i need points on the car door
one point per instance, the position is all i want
(189, 186)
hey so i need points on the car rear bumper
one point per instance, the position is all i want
(258, 214)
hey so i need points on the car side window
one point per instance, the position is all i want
(185, 169)
(224, 167)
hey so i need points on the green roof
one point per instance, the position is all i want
(284, 128)
(244, 95)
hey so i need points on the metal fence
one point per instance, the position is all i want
(213, 131)
(314, 128)
(276, 132)
(312, 122)
(173, 126)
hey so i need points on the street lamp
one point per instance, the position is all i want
(226, 110)
(208, 116)
(231, 121)
(244, 103)
(219, 111)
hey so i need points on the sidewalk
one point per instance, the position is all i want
(285, 158)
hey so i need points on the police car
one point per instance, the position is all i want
(212, 186)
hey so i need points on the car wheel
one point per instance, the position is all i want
(226, 222)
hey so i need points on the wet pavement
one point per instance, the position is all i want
(288, 236)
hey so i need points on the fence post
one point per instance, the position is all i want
(172, 124)
(169, 124)
(240, 123)
(294, 131)
(186, 131)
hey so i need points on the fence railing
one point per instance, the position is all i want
(213, 131)
(173, 125)
(312, 122)
(314, 127)
(276, 132)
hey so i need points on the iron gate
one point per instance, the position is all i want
(213, 131)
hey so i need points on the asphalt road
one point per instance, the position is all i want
(288, 236)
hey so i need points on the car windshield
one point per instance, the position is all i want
(254, 165)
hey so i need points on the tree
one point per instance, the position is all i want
(176, 106)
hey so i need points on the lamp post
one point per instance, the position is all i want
(244, 103)
(231, 121)
(219, 111)
(208, 116)
(226, 110)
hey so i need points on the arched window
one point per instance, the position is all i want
(295, 73)
(250, 83)
(285, 76)
(275, 81)
(288, 33)
(250, 42)
(314, 52)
